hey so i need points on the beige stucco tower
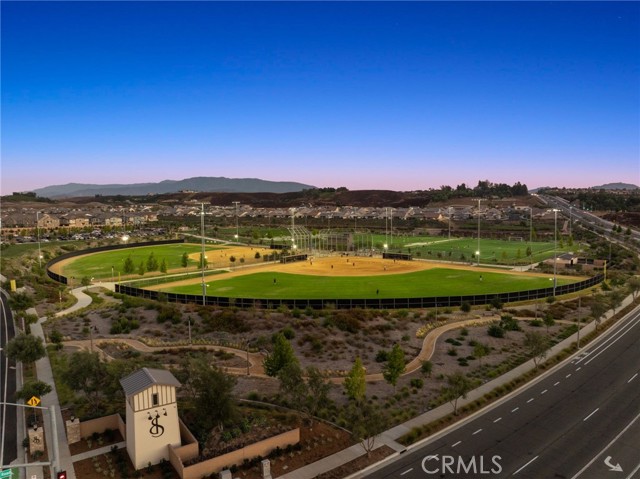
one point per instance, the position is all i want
(152, 415)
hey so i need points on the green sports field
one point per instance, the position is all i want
(433, 282)
(463, 249)
(98, 265)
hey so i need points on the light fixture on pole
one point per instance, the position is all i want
(237, 227)
(204, 288)
(38, 235)
(478, 251)
(449, 223)
(555, 248)
(570, 229)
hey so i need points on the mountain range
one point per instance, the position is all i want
(198, 184)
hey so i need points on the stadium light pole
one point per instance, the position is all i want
(237, 227)
(386, 225)
(530, 225)
(204, 288)
(478, 251)
(391, 227)
(555, 248)
(570, 232)
(449, 223)
(38, 235)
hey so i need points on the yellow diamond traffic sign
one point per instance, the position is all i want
(34, 401)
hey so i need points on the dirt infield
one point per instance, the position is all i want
(219, 258)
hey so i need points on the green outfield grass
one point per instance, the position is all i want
(491, 251)
(433, 282)
(98, 265)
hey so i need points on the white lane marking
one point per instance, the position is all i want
(514, 410)
(632, 378)
(578, 369)
(531, 399)
(406, 472)
(568, 375)
(613, 342)
(556, 383)
(497, 420)
(454, 445)
(544, 391)
(595, 411)
(633, 472)
(614, 337)
(525, 465)
(476, 432)
(595, 458)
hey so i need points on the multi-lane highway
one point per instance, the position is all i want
(580, 422)
(8, 428)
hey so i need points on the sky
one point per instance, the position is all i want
(400, 96)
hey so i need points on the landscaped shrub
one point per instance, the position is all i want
(495, 331)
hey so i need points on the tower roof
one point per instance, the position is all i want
(146, 377)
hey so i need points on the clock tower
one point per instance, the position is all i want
(152, 415)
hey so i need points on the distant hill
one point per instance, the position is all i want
(608, 186)
(198, 184)
(616, 186)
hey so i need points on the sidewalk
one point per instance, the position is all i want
(97, 452)
(44, 373)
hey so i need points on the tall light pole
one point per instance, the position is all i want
(38, 235)
(449, 223)
(570, 229)
(530, 225)
(391, 228)
(237, 228)
(386, 226)
(555, 248)
(204, 287)
(478, 251)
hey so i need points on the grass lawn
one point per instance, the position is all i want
(433, 282)
(98, 265)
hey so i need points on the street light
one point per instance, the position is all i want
(555, 248)
(237, 228)
(38, 235)
(204, 288)
(478, 252)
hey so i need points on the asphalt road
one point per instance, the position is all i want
(8, 416)
(580, 422)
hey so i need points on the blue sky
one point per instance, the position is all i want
(380, 95)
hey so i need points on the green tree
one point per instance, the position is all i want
(129, 267)
(202, 262)
(480, 350)
(88, 374)
(292, 384)
(395, 365)
(185, 260)
(281, 356)
(20, 301)
(33, 388)
(85, 281)
(141, 268)
(633, 283)
(26, 348)
(365, 420)
(537, 345)
(355, 384)
(152, 263)
(528, 252)
(163, 266)
(465, 307)
(598, 307)
(615, 298)
(548, 321)
(458, 386)
(212, 400)
(318, 391)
